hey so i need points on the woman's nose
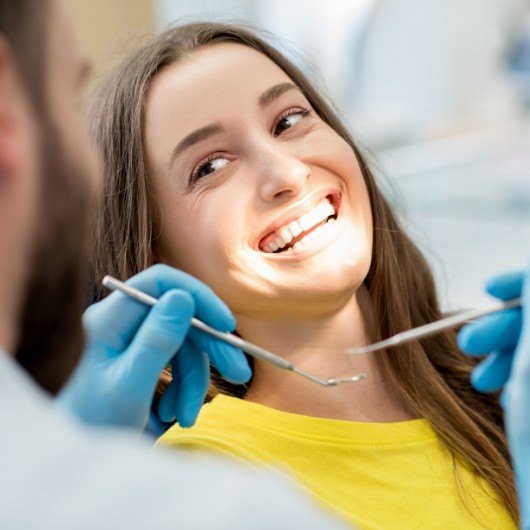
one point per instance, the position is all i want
(282, 175)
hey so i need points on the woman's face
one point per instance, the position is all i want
(253, 193)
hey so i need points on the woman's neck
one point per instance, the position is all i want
(318, 346)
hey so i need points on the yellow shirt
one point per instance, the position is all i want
(376, 475)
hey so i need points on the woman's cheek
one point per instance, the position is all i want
(211, 244)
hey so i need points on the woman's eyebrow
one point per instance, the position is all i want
(275, 92)
(196, 136)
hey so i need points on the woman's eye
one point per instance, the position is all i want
(290, 120)
(209, 166)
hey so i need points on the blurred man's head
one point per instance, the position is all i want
(48, 174)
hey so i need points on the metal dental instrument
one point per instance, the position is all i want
(249, 348)
(433, 328)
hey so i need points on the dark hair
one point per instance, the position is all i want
(23, 25)
(51, 336)
(432, 376)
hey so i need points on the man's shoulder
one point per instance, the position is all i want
(56, 473)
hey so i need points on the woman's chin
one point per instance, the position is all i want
(335, 266)
(327, 286)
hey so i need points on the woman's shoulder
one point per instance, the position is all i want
(219, 427)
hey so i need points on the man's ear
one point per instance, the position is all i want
(13, 107)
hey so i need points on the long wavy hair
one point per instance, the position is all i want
(432, 376)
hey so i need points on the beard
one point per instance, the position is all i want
(51, 330)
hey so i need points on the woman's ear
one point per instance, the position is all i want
(14, 116)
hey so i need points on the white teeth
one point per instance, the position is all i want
(321, 229)
(280, 241)
(295, 228)
(318, 214)
(308, 220)
(286, 234)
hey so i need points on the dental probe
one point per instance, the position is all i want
(249, 348)
(433, 328)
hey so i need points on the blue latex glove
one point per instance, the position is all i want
(129, 344)
(505, 339)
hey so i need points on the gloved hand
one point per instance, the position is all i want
(505, 338)
(496, 335)
(129, 344)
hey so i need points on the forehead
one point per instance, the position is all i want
(213, 79)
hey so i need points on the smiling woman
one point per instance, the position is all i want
(221, 159)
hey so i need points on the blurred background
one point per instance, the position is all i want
(437, 91)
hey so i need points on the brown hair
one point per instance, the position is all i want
(23, 23)
(432, 376)
(51, 335)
